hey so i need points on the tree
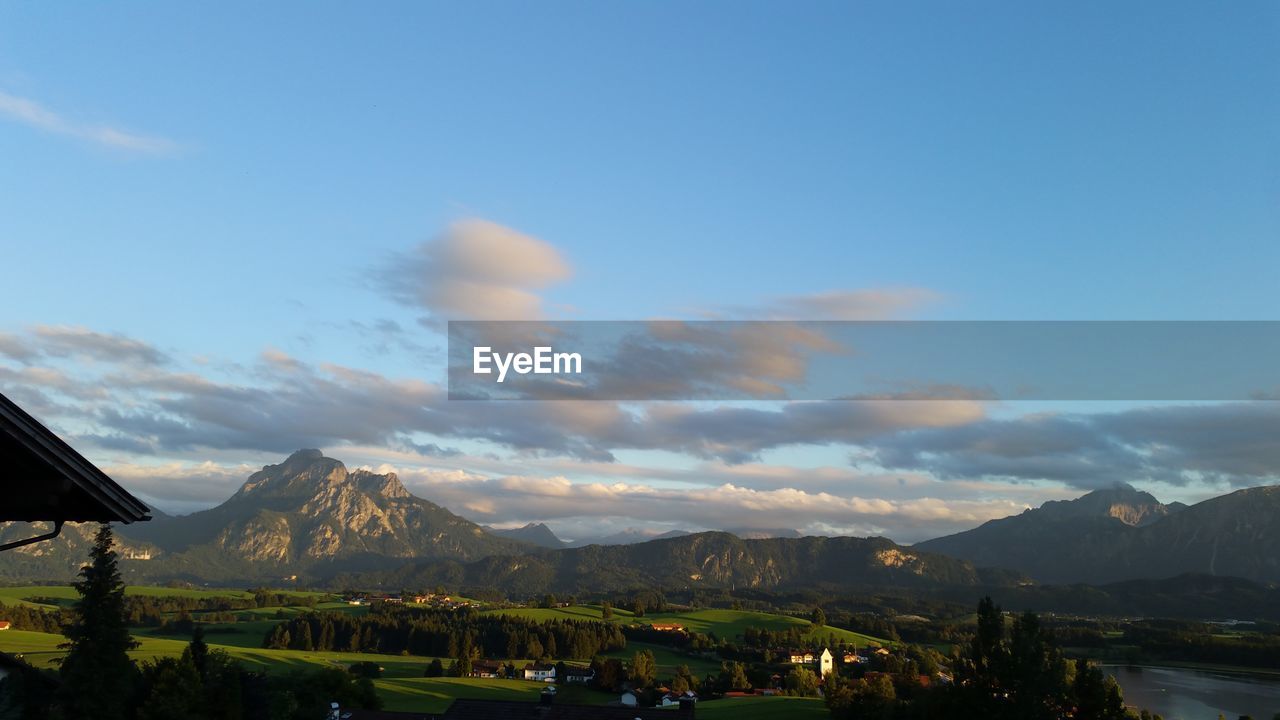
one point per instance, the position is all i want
(606, 610)
(819, 617)
(643, 669)
(733, 676)
(462, 666)
(609, 673)
(97, 676)
(435, 668)
(172, 690)
(801, 681)
(199, 651)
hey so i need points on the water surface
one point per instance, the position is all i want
(1183, 694)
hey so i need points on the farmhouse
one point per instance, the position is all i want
(675, 699)
(486, 669)
(667, 627)
(540, 672)
(4, 624)
(578, 674)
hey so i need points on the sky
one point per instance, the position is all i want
(233, 231)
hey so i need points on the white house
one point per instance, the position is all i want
(541, 673)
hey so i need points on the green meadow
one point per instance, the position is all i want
(723, 623)
(402, 685)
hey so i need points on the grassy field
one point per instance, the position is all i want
(41, 650)
(763, 708)
(724, 623)
(435, 694)
(402, 685)
(667, 659)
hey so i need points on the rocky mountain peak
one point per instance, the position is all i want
(308, 473)
(303, 473)
(388, 486)
(1121, 501)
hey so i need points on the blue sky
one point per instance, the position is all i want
(218, 182)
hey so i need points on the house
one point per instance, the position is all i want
(51, 482)
(825, 665)
(4, 624)
(667, 627)
(673, 699)
(855, 659)
(578, 674)
(801, 658)
(540, 672)
(486, 669)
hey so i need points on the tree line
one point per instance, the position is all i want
(446, 633)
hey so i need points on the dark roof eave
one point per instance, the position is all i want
(71, 464)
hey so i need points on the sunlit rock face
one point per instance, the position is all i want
(306, 513)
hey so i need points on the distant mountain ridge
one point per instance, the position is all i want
(534, 533)
(1120, 534)
(709, 559)
(310, 518)
(630, 536)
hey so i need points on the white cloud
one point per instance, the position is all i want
(33, 114)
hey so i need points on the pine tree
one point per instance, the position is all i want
(199, 651)
(97, 676)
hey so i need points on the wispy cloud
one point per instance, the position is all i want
(33, 114)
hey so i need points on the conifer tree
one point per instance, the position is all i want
(98, 677)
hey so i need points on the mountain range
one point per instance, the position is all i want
(1120, 533)
(709, 559)
(542, 536)
(312, 520)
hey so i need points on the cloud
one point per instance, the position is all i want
(80, 342)
(33, 114)
(475, 270)
(15, 348)
(597, 507)
(868, 304)
(181, 486)
(134, 402)
(651, 360)
(1232, 443)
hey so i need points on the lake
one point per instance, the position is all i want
(1183, 694)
